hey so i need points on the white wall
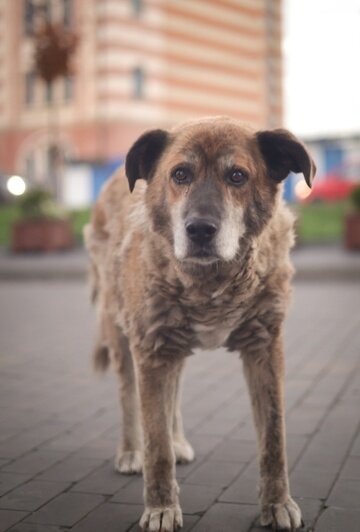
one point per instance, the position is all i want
(77, 186)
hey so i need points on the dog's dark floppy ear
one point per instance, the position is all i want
(143, 156)
(284, 153)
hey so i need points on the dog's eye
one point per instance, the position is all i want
(182, 176)
(237, 177)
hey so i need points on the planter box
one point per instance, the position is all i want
(41, 235)
(352, 231)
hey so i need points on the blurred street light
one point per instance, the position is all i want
(16, 185)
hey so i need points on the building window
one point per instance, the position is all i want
(30, 79)
(32, 10)
(46, 9)
(29, 14)
(67, 13)
(137, 7)
(68, 88)
(138, 82)
(30, 168)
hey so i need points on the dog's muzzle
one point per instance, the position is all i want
(201, 234)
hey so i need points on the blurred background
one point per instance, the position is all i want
(80, 80)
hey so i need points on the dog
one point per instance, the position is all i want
(196, 257)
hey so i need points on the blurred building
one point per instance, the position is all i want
(336, 155)
(139, 64)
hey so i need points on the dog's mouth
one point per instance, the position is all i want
(202, 255)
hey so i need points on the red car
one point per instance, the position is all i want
(337, 185)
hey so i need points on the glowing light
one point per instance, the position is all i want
(302, 191)
(16, 185)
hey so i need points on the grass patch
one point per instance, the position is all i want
(79, 218)
(321, 222)
(8, 215)
(317, 222)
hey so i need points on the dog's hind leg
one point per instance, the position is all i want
(128, 459)
(183, 450)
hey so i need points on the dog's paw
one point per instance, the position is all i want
(282, 516)
(128, 462)
(167, 519)
(183, 451)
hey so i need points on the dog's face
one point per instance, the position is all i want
(213, 182)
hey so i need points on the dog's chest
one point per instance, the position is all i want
(211, 336)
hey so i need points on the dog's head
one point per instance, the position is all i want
(213, 182)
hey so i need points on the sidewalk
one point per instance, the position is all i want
(59, 423)
(318, 263)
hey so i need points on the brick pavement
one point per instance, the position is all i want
(59, 422)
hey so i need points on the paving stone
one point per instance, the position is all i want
(229, 517)
(355, 450)
(105, 481)
(213, 473)
(218, 425)
(338, 519)
(196, 499)
(351, 468)
(71, 469)
(15, 447)
(32, 527)
(246, 431)
(295, 447)
(101, 448)
(133, 494)
(10, 517)
(32, 495)
(234, 451)
(204, 444)
(110, 518)
(53, 404)
(184, 470)
(9, 481)
(66, 510)
(35, 462)
(304, 421)
(345, 494)
(312, 483)
(244, 490)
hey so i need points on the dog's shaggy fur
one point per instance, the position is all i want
(197, 256)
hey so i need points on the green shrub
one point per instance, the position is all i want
(39, 203)
(355, 198)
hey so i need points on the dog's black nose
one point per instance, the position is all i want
(200, 231)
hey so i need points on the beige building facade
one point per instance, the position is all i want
(139, 64)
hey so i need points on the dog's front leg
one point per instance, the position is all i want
(264, 373)
(157, 394)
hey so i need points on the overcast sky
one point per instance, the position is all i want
(322, 66)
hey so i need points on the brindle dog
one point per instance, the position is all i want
(197, 256)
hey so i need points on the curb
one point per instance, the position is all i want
(302, 274)
(316, 264)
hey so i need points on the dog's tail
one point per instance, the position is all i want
(101, 358)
